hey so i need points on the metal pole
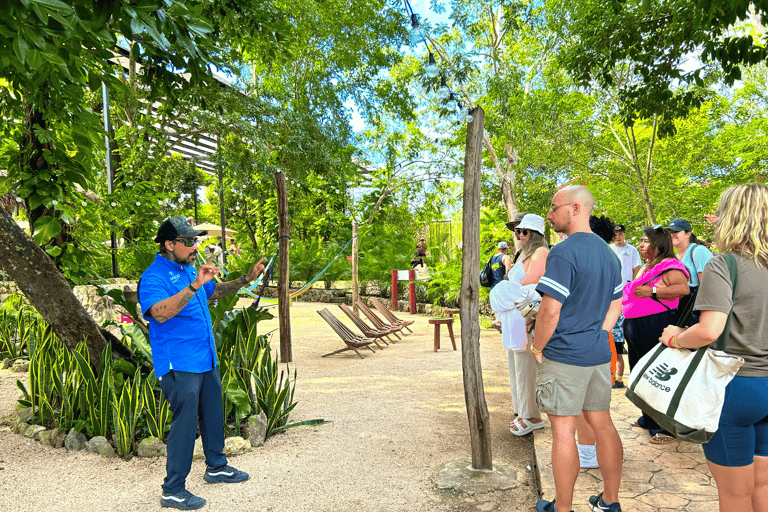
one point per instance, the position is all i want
(221, 200)
(110, 177)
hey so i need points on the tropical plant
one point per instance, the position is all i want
(18, 321)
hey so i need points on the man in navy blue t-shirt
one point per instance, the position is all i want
(174, 300)
(581, 301)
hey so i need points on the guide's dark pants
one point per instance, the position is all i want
(194, 397)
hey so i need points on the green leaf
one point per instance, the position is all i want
(56, 5)
(53, 250)
(20, 48)
(45, 229)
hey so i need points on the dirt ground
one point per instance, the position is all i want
(393, 419)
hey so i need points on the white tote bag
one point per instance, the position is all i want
(683, 390)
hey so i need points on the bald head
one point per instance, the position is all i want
(571, 207)
(577, 194)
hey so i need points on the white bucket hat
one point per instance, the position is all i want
(534, 222)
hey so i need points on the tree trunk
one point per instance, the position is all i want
(40, 281)
(474, 394)
(283, 281)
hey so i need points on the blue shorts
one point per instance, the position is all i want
(743, 429)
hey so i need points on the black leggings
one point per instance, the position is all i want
(642, 335)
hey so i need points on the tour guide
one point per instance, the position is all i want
(173, 297)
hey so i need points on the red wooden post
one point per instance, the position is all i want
(393, 294)
(412, 289)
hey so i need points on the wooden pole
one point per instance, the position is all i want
(355, 282)
(474, 394)
(283, 281)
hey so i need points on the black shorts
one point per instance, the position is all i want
(619, 348)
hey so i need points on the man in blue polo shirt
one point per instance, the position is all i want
(174, 300)
(581, 300)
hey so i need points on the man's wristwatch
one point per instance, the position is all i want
(244, 280)
(653, 294)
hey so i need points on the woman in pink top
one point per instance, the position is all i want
(650, 304)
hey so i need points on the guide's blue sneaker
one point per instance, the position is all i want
(599, 505)
(226, 474)
(546, 506)
(183, 500)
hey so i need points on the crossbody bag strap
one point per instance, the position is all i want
(660, 274)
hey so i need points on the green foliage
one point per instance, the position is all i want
(310, 258)
(249, 376)
(156, 407)
(126, 411)
(444, 286)
(18, 323)
(657, 42)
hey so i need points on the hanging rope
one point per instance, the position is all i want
(312, 281)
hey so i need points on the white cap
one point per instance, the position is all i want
(502, 245)
(532, 221)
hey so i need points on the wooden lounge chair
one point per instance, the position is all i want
(377, 322)
(367, 331)
(352, 341)
(342, 329)
(391, 318)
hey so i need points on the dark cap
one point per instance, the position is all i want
(619, 227)
(679, 225)
(175, 227)
(511, 225)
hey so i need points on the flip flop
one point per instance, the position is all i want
(523, 431)
(660, 438)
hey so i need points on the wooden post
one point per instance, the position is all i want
(412, 291)
(355, 282)
(283, 281)
(393, 293)
(474, 394)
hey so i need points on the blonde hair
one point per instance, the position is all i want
(535, 240)
(742, 224)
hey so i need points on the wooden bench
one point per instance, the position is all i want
(437, 322)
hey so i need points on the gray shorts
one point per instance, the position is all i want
(565, 390)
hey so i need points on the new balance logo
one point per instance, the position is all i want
(663, 373)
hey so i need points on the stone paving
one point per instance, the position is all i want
(655, 478)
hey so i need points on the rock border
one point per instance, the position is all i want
(254, 431)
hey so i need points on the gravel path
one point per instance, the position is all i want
(395, 417)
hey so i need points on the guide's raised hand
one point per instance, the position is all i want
(206, 272)
(256, 271)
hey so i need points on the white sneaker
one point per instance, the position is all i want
(587, 456)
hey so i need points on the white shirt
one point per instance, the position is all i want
(629, 258)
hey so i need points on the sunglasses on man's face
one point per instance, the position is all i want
(188, 242)
(523, 232)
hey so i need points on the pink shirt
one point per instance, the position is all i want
(632, 307)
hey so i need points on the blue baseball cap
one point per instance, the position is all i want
(679, 225)
(176, 227)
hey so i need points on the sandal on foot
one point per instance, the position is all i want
(519, 429)
(660, 438)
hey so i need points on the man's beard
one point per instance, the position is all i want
(176, 259)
